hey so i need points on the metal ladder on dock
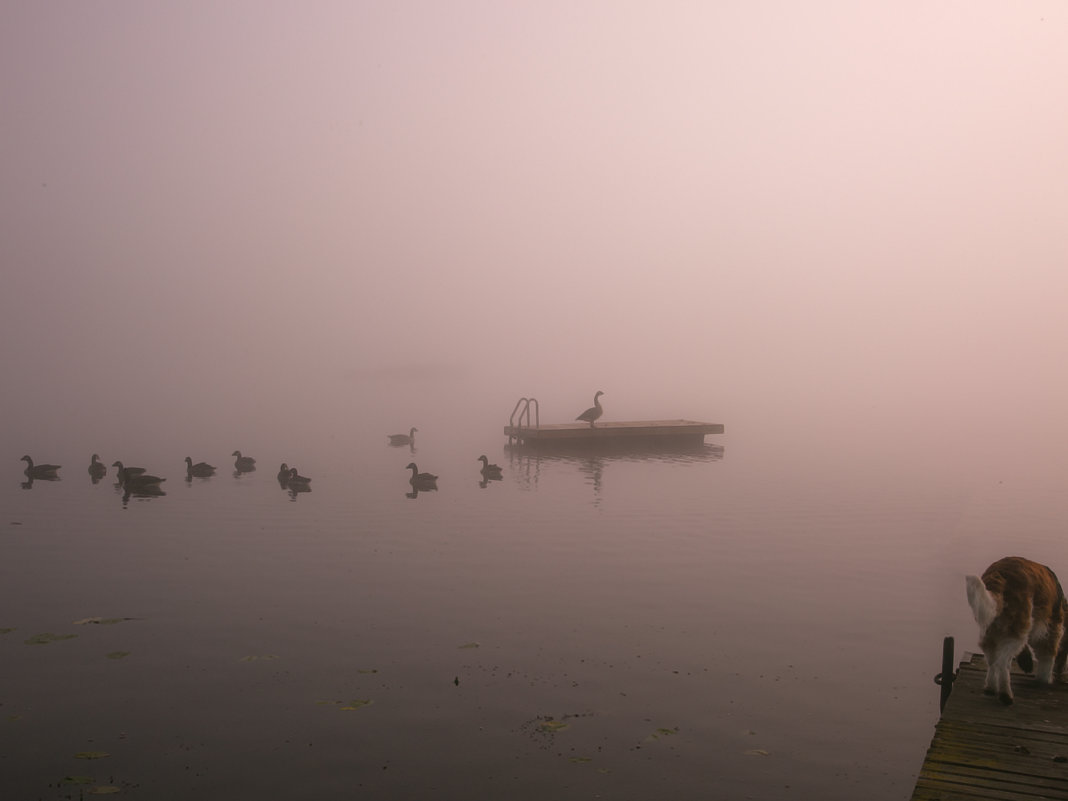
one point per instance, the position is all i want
(520, 417)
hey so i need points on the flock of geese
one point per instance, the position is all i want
(425, 482)
(139, 480)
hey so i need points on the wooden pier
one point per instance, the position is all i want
(983, 749)
(663, 432)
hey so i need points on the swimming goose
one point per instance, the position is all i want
(490, 470)
(143, 482)
(39, 470)
(200, 469)
(123, 473)
(283, 473)
(97, 469)
(243, 463)
(403, 439)
(594, 411)
(421, 480)
(297, 478)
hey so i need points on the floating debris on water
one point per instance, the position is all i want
(91, 755)
(347, 706)
(118, 655)
(47, 637)
(661, 732)
(102, 621)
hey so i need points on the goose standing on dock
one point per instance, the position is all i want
(594, 412)
(403, 439)
(243, 464)
(490, 471)
(97, 469)
(45, 471)
(421, 481)
(199, 470)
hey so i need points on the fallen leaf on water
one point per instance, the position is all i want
(359, 703)
(552, 726)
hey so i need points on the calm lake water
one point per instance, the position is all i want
(759, 618)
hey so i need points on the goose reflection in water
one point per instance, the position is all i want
(133, 489)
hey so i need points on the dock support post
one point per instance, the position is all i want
(945, 678)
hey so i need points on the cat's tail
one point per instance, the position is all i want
(983, 605)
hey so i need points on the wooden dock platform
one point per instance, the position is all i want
(659, 431)
(985, 750)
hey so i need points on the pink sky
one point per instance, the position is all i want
(832, 203)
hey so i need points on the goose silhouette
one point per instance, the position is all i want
(199, 470)
(594, 412)
(97, 469)
(39, 470)
(490, 470)
(124, 473)
(403, 439)
(421, 480)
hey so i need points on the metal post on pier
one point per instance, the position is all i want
(946, 677)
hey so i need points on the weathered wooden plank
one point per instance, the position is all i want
(985, 750)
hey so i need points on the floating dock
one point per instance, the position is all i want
(983, 749)
(665, 432)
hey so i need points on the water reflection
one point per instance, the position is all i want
(141, 492)
(590, 458)
(28, 483)
(297, 489)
